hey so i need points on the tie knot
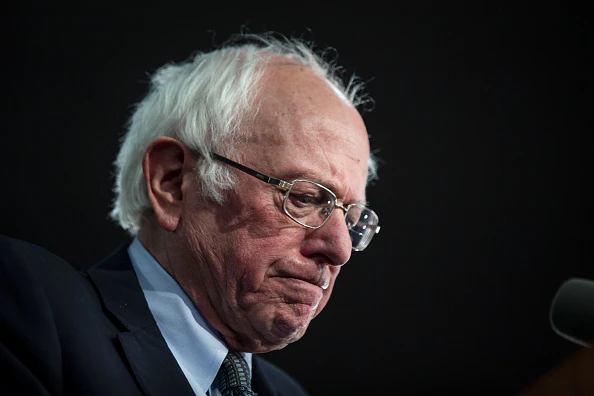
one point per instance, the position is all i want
(234, 376)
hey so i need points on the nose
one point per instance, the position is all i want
(332, 240)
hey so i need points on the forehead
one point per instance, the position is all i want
(306, 128)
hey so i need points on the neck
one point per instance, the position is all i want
(156, 240)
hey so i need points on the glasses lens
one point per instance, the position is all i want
(362, 223)
(309, 203)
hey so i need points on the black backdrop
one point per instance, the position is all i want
(482, 120)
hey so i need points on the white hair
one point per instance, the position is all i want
(202, 102)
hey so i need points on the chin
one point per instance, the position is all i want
(276, 332)
(279, 340)
(289, 327)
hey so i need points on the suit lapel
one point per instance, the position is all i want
(151, 360)
(259, 381)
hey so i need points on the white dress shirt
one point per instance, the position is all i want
(197, 346)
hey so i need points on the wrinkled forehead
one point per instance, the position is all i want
(303, 120)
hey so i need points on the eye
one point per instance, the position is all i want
(326, 211)
(304, 199)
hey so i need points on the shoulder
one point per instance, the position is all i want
(276, 378)
(23, 263)
(44, 290)
(53, 322)
(37, 281)
(16, 250)
(31, 279)
(27, 260)
(25, 266)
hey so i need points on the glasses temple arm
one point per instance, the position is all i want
(249, 171)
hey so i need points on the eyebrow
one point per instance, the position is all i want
(291, 175)
(288, 177)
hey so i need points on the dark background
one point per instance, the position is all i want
(482, 120)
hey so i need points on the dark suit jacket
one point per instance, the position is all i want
(68, 333)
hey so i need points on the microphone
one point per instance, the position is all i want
(572, 311)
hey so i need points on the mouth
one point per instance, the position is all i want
(321, 281)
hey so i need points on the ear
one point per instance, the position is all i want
(165, 164)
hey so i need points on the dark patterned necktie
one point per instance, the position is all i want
(233, 378)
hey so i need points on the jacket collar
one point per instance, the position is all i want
(260, 381)
(151, 360)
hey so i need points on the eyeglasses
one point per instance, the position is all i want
(311, 205)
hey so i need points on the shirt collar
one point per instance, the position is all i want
(195, 344)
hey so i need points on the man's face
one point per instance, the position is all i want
(257, 276)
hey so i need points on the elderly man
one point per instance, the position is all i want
(242, 179)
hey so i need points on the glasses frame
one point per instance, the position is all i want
(286, 186)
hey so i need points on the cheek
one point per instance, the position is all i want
(258, 213)
(259, 238)
(269, 219)
(257, 254)
(268, 230)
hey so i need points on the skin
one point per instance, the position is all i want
(257, 276)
